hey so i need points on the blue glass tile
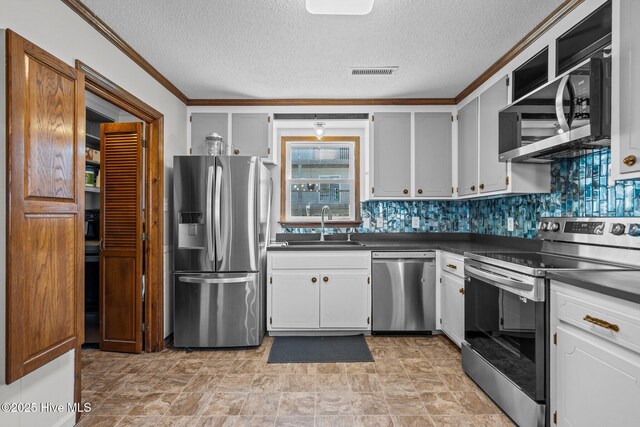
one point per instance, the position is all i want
(579, 187)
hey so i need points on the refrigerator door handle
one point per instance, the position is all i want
(210, 250)
(252, 211)
(267, 237)
(244, 279)
(217, 209)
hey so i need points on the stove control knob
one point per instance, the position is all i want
(543, 226)
(599, 230)
(634, 230)
(554, 226)
(617, 229)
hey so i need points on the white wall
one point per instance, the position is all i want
(54, 27)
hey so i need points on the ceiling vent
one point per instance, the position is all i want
(373, 71)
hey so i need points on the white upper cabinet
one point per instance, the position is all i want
(492, 173)
(391, 151)
(625, 144)
(203, 124)
(251, 134)
(432, 159)
(468, 149)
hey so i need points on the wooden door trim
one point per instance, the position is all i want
(283, 179)
(100, 85)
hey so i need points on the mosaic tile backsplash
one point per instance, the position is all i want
(579, 187)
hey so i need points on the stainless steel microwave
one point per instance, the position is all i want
(564, 118)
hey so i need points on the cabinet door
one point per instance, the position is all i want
(597, 382)
(344, 300)
(493, 174)
(391, 154)
(468, 149)
(433, 154)
(295, 300)
(453, 307)
(628, 88)
(251, 134)
(202, 124)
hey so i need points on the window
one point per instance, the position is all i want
(316, 173)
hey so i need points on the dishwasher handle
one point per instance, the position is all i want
(418, 256)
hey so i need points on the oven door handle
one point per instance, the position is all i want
(504, 281)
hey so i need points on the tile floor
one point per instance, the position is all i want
(414, 381)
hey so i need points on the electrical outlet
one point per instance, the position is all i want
(415, 222)
(366, 223)
(510, 224)
(379, 222)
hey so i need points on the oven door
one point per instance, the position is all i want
(505, 324)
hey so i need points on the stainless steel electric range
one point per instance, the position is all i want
(506, 348)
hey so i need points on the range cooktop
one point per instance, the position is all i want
(537, 263)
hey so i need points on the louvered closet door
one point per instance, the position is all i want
(121, 234)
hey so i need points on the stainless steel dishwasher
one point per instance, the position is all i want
(404, 291)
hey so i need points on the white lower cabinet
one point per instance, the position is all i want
(451, 285)
(595, 370)
(452, 307)
(321, 291)
(344, 299)
(598, 383)
(295, 299)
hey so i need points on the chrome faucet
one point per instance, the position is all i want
(325, 208)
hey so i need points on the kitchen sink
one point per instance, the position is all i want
(323, 243)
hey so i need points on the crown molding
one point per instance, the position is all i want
(99, 25)
(321, 101)
(560, 12)
(551, 20)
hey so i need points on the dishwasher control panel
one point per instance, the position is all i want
(403, 254)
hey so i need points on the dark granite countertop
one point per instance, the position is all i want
(619, 284)
(457, 243)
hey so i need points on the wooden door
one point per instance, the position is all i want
(251, 134)
(121, 237)
(468, 149)
(433, 159)
(493, 173)
(344, 300)
(295, 300)
(45, 242)
(391, 155)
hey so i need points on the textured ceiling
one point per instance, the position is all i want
(275, 49)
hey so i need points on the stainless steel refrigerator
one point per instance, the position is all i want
(222, 207)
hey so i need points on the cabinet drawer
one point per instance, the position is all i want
(453, 264)
(320, 260)
(613, 320)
